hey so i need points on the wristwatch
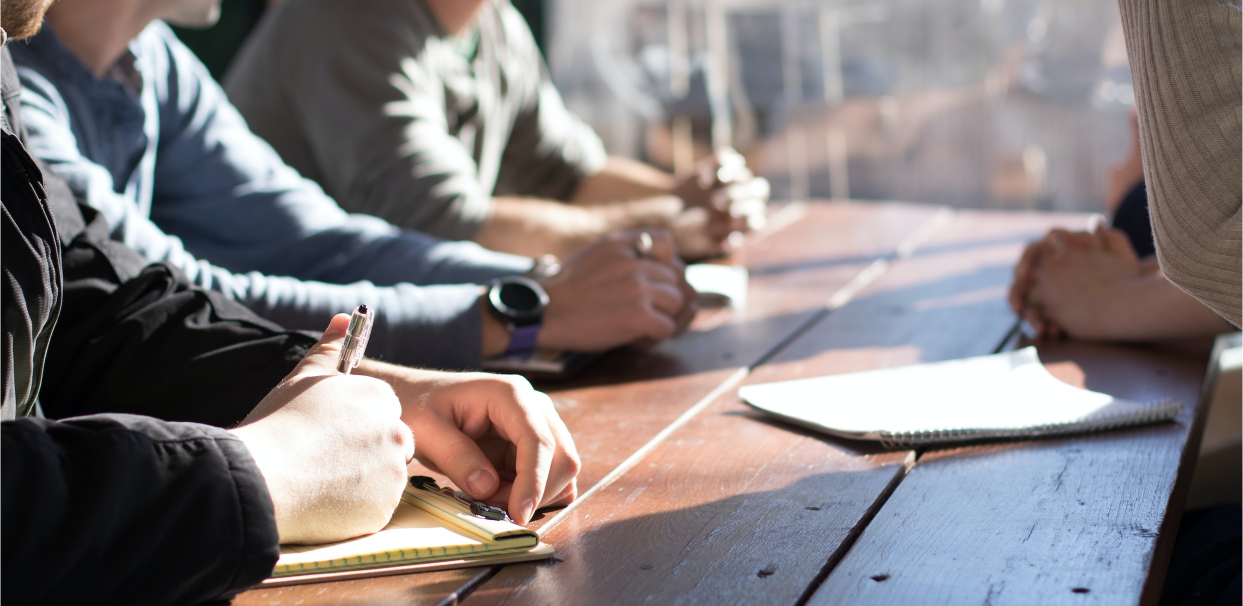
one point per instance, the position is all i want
(519, 302)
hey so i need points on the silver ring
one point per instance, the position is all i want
(643, 246)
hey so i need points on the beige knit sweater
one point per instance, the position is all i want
(1185, 63)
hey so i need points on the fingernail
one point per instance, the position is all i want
(480, 482)
(528, 510)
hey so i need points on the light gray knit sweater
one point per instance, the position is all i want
(1186, 65)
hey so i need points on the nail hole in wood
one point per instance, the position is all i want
(880, 577)
(812, 508)
(646, 567)
(1081, 590)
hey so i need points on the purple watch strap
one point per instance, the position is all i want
(522, 342)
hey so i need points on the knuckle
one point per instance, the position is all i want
(573, 463)
(518, 384)
(400, 435)
(545, 441)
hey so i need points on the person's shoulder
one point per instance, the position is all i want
(515, 31)
(337, 19)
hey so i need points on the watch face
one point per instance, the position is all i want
(518, 298)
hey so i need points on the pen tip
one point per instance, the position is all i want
(362, 309)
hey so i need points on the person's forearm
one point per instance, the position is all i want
(1153, 309)
(1190, 142)
(534, 227)
(623, 179)
(161, 513)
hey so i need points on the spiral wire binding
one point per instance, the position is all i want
(1163, 410)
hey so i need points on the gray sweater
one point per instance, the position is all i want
(1185, 63)
(394, 118)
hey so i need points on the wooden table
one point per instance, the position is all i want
(689, 497)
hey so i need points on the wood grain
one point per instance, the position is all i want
(618, 405)
(735, 508)
(1066, 521)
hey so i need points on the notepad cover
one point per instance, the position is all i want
(426, 528)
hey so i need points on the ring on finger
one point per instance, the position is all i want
(643, 245)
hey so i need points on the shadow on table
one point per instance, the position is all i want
(957, 304)
(746, 548)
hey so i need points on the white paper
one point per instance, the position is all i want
(1000, 395)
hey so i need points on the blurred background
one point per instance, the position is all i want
(1017, 104)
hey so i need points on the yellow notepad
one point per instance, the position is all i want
(428, 531)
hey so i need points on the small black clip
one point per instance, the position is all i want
(477, 509)
(487, 512)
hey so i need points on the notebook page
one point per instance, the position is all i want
(415, 533)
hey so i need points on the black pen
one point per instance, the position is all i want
(356, 336)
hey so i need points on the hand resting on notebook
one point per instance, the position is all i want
(496, 438)
(332, 448)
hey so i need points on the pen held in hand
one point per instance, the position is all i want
(356, 336)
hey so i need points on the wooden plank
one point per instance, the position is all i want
(1065, 521)
(735, 508)
(617, 406)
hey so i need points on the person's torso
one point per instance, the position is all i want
(115, 120)
(478, 81)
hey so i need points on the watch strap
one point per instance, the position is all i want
(522, 341)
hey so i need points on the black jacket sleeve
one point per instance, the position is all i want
(31, 297)
(122, 509)
(139, 338)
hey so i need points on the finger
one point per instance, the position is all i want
(663, 247)
(651, 325)
(690, 307)
(565, 497)
(1095, 222)
(1023, 272)
(665, 297)
(658, 272)
(565, 465)
(457, 456)
(1117, 241)
(322, 358)
(534, 457)
(1055, 241)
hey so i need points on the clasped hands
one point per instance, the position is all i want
(721, 198)
(1077, 283)
(333, 449)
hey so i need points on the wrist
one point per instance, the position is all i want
(267, 461)
(495, 333)
(518, 303)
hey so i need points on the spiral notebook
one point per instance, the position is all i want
(1002, 396)
(428, 531)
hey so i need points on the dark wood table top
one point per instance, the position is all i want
(688, 496)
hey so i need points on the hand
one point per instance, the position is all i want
(1080, 284)
(606, 296)
(721, 198)
(332, 448)
(496, 438)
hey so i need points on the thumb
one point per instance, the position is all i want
(322, 358)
